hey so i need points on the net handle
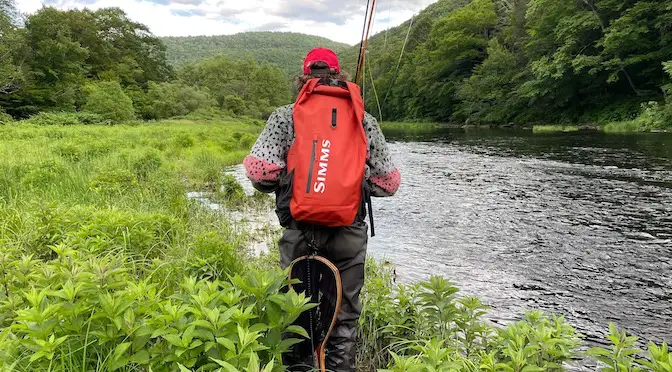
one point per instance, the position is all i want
(339, 299)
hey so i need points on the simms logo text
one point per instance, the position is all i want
(320, 186)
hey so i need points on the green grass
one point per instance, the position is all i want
(622, 127)
(555, 128)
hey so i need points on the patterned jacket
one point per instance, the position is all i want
(266, 163)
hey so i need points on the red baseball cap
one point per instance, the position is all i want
(321, 55)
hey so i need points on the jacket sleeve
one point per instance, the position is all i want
(267, 159)
(383, 175)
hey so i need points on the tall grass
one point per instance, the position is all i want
(554, 128)
(622, 127)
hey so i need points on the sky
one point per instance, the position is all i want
(338, 20)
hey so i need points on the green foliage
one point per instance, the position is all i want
(623, 355)
(113, 181)
(234, 104)
(231, 190)
(105, 265)
(11, 75)
(426, 326)
(554, 128)
(490, 95)
(57, 52)
(98, 231)
(91, 312)
(67, 118)
(168, 100)
(54, 118)
(108, 100)
(5, 118)
(240, 86)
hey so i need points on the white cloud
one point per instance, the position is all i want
(339, 20)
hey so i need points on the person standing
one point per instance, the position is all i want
(313, 154)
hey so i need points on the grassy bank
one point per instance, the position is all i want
(554, 128)
(105, 265)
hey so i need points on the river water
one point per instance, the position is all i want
(575, 224)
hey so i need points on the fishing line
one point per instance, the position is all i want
(403, 49)
(373, 84)
(387, 30)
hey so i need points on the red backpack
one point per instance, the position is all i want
(328, 154)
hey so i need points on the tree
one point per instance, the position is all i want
(8, 12)
(56, 63)
(10, 70)
(166, 100)
(456, 45)
(261, 87)
(490, 94)
(64, 49)
(109, 100)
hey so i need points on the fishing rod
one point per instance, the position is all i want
(361, 44)
(365, 38)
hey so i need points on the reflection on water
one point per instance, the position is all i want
(576, 224)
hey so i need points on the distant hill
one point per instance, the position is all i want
(286, 49)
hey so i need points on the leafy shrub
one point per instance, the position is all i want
(67, 118)
(113, 181)
(651, 117)
(91, 313)
(147, 163)
(183, 141)
(213, 257)
(5, 118)
(108, 100)
(622, 355)
(54, 118)
(427, 327)
(622, 127)
(167, 100)
(206, 114)
(89, 118)
(234, 104)
(231, 190)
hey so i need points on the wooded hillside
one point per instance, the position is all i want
(285, 49)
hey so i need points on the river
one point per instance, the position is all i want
(575, 224)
